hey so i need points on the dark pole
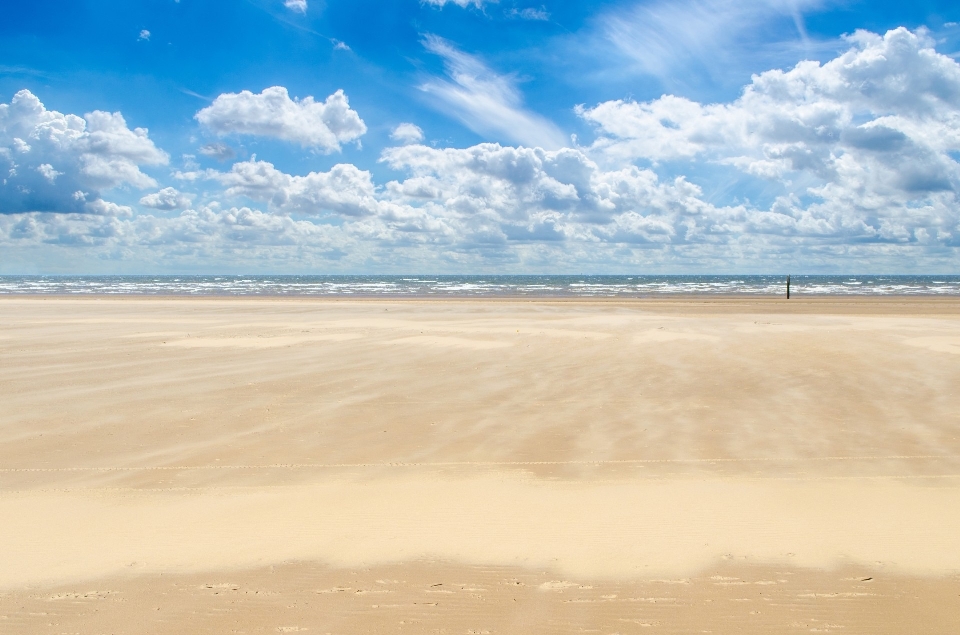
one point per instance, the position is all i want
(788, 286)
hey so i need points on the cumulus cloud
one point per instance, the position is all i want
(487, 103)
(54, 162)
(144, 35)
(486, 196)
(168, 198)
(48, 172)
(868, 135)
(237, 236)
(407, 133)
(858, 155)
(272, 113)
(494, 198)
(491, 204)
(530, 194)
(100, 207)
(345, 189)
(218, 151)
(300, 6)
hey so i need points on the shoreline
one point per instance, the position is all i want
(730, 303)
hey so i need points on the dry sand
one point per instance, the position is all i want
(285, 465)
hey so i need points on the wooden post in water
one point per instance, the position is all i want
(788, 286)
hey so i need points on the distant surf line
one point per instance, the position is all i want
(471, 286)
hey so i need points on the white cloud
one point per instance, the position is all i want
(865, 138)
(344, 190)
(529, 194)
(492, 206)
(271, 113)
(48, 172)
(855, 159)
(407, 133)
(887, 110)
(218, 151)
(487, 103)
(112, 152)
(300, 6)
(47, 157)
(529, 13)
(239, 237)
(166, 199)
(144, 35)
(101, 207)
(486, 196)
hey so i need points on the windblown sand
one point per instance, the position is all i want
(282, 465)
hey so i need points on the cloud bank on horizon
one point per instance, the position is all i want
(494, 159)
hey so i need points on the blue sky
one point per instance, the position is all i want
(477, 136)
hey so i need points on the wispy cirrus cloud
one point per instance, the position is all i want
(299, 6)
(486, 102)
(671, 39)
(528, 14)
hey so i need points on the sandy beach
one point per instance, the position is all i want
(264, 465)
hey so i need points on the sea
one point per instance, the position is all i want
(546, 286)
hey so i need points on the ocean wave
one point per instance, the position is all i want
(471, 286)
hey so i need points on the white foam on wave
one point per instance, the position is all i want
(472, 286)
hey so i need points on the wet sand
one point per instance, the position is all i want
(281, 465)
